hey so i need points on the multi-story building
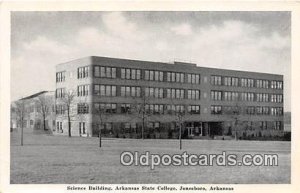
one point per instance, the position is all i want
(38, 111)
(128, 95)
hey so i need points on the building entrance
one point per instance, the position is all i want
(215, 128)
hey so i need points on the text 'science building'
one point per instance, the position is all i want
(128, 95)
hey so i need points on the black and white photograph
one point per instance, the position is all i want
(150, 100)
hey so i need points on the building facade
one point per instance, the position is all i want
(129, 97)
(38, 111)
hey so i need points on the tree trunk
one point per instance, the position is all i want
(80, 130)
(180, 142)
(235, 130)
(143, 127)
(69, 123)
(44, 123)
(100, 136)
(22, 132)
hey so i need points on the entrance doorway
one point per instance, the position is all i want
(215, 128)
(194, 128)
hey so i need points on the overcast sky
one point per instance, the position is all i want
(254, 41)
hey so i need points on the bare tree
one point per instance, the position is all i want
(21, 113)
(45, 103)
(67, 101)
(102, 114)
(179, 118)
(235, 114)
(141, 111)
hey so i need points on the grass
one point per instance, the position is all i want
(62, 160)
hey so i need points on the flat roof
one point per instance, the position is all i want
(177, 63)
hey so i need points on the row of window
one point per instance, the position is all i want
(245, 82)
(105, 72)
(231, 81)
(245, 96)
(136, 74)
(154, 92)
(132, 91)
(152, 75)
(105, 90)
(82, 127)
(38, 108)
(132, 126)
(172, 93)
(131, 74)
(175, 77)
(250, 110)
(263, 125)
(83, 108)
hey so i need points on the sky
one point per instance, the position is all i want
(249, 41)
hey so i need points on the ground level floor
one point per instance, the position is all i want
(171, 130)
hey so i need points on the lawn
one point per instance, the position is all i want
(64, 160)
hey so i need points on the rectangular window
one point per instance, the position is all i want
(171, 109)
(82, 128)
(130, 74)
(83, 90)
(108, 72)
(250, 110)
(105, 90)
(247, 96)
(175, 77)
(105, 108)
(96, 71)
(83, 72)
(277, 125)
(60, 109)
(60, 93)
(154, 92)
(60, 76)
(153, 75)
(194, 94)
(193, 78)
(154, 109)
(227, 81)
(216, 95)
(82, 108)
(130, 91)
(194, 109)
(231, 96)
(175, 93)
(216, 110)
(123, 74)
(216, 80)
(235, 82)
(125, 108)
(276, 111)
